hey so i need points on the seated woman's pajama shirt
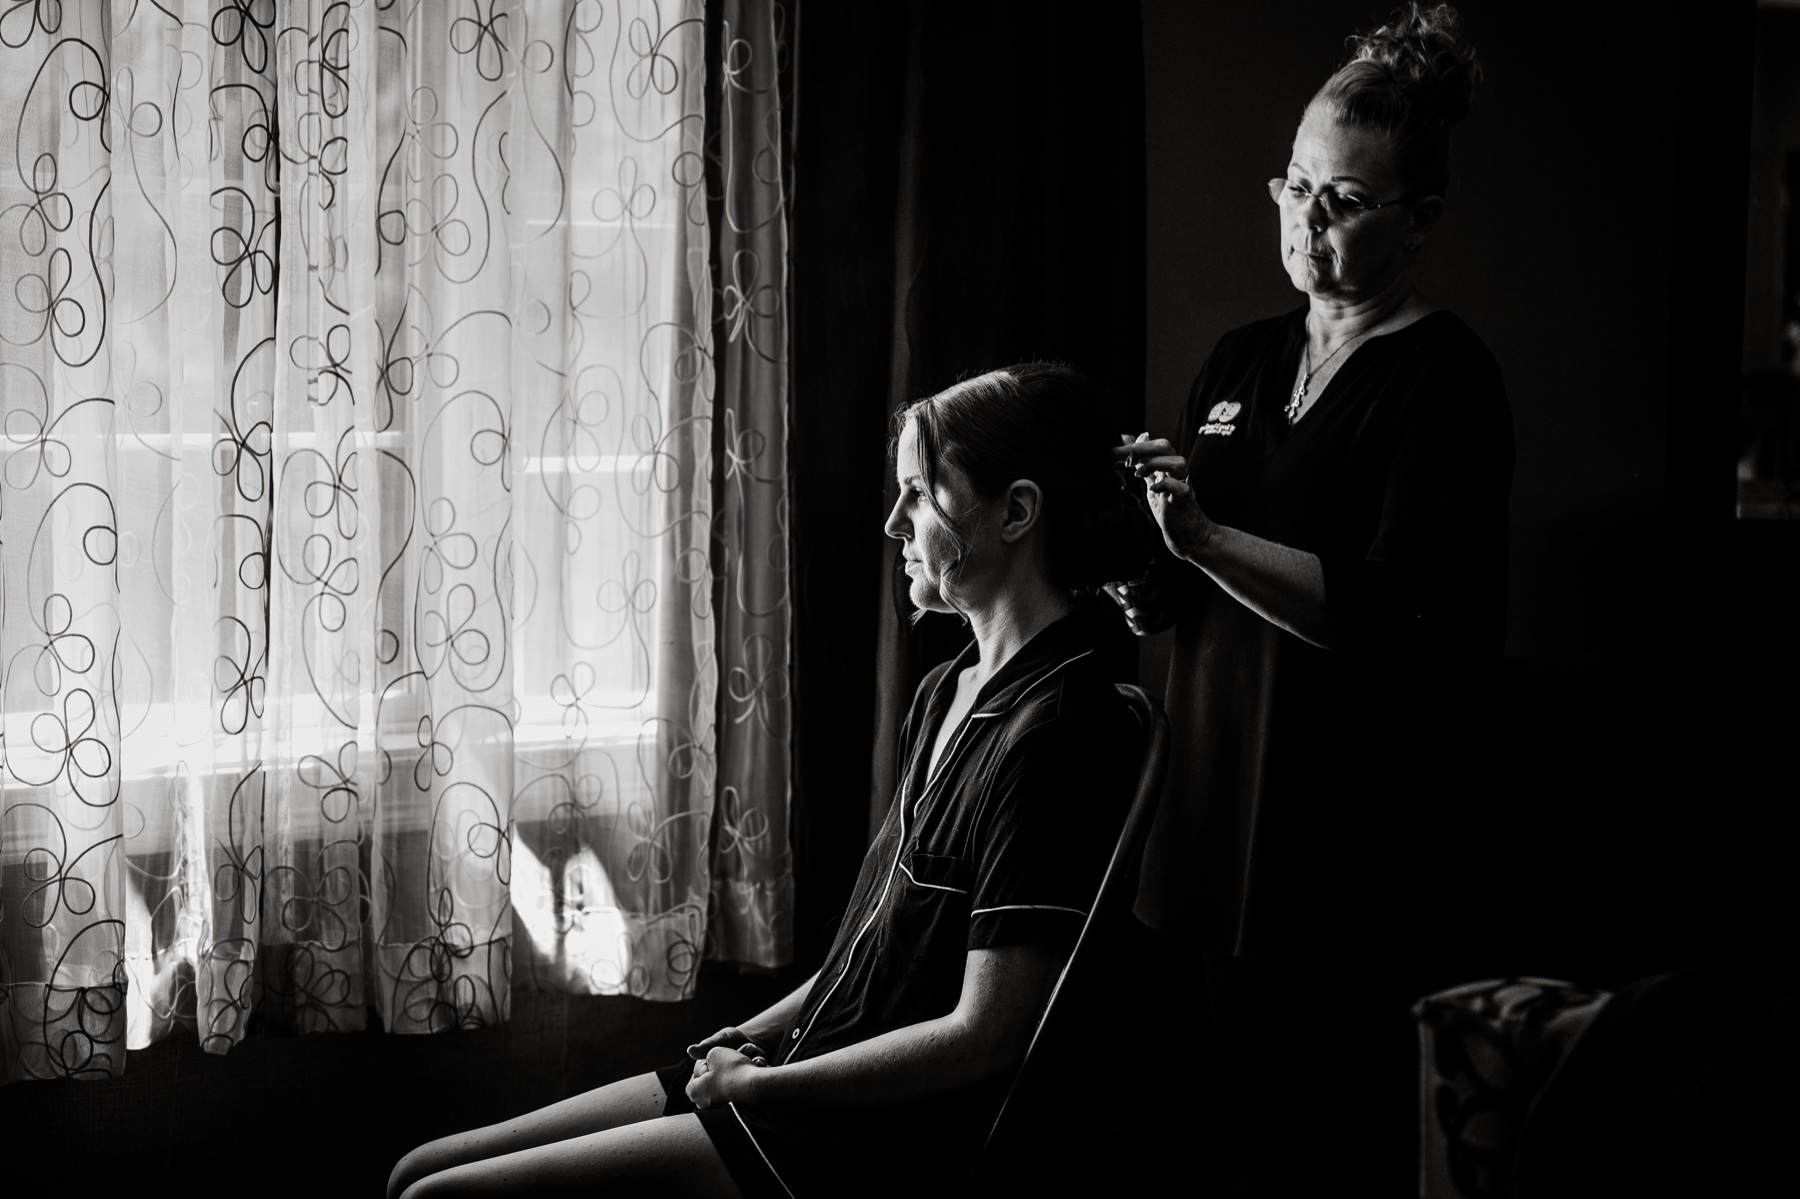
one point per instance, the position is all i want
(1005, 842)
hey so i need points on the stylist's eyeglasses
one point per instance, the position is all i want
(1338, 206)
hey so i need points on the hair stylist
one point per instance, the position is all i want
(1335, 508)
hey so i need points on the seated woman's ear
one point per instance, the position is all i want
(1024, 503)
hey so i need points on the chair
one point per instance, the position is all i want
(1086, 974)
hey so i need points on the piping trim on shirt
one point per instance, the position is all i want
(850, 954)
(900, 844)
(1027, 907)
(932, 886)
(1036, 683)
(760, 1153)
(956, 742)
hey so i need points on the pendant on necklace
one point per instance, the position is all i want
(1291, 409)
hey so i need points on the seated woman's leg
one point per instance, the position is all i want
(627, 1101)
(669, 1158)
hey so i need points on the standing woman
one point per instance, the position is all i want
(1335, 507)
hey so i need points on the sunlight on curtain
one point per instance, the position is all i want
(392, 501)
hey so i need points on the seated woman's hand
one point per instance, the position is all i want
(731, 1037)
(719, 1077)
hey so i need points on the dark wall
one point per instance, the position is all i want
(1563, 275)
(1775, 134)
(1592, 237)
(967, 194)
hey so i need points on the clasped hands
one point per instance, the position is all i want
(718, 1067)
(1185, 528)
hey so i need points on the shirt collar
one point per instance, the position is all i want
(1050, 648)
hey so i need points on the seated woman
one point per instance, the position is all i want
(883, 1072)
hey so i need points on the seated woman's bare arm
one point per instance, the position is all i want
(762, 1030)
(1004, 990)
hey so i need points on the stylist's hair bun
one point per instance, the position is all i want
(1422, 51)
(1410, 79)
(1044, 422)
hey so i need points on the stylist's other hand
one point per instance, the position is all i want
(1185, 528)
(1147, 609)
(719, 1078)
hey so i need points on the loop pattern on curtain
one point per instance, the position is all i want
(392, 500)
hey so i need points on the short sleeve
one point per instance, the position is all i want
(1198, 391)
(1434, 578)
(1051, 821)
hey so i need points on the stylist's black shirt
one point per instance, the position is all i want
(1302, 778)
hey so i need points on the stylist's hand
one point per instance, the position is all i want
(1185, 528)
(719, 1078)
(1147, 609)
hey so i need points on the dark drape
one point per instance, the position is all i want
(968, 192)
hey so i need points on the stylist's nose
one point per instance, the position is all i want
(896, 526)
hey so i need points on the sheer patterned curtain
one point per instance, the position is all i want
(392, 487)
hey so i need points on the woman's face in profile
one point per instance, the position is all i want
(931, 548)
(1358, 254)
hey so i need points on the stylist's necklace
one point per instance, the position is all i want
(1291, 409)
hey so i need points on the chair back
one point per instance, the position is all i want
(1083, 975)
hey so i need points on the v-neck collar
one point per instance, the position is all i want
(1050, 648)
(1297, 347)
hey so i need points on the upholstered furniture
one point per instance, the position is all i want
(1486, 1051)
(1678, 1084)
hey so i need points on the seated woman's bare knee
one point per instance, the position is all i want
(627, 1101)
(669, 1157)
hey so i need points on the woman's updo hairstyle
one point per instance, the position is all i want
(1043, 422)
(1410, 79)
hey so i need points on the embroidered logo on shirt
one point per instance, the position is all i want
(1219, 419)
